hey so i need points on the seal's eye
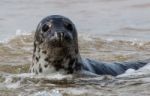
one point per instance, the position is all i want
(69, 27)
(45, 28)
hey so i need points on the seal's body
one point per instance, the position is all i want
(56, 50)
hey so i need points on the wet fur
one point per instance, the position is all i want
(56, 50)
(48, 57)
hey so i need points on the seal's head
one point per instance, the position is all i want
(56, 31)
(55, 46)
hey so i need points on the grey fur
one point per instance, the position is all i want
(56, 50)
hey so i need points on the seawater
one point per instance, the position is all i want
(119, 19)
(109, 30)
(16, 55)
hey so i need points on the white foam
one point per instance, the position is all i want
(76, 92)
(8, 83)
(24, 75)
(110, 39)
(22, 32)
(142, 71)
(8, 80)
(53, 92)
(13, 85)
(54, 76)
(130, 71)
(136, 42)
(145, 68)
(86, 37)
(18, 32)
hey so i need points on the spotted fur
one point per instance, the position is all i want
(54, 52)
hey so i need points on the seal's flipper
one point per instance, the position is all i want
(114, 69)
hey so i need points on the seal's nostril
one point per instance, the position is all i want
(60, 35)
(55, 34)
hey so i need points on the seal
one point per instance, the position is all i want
(56, 50)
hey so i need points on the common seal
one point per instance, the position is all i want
(56, 50)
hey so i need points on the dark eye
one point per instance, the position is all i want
(45, 28)
(69, 27)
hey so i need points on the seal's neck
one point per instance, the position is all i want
(64, 60)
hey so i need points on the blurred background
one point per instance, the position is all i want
(117, 19)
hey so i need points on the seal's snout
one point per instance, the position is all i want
(63, 36)
(59, 35)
